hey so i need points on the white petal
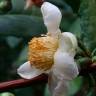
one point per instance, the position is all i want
(27, 71)
(58, 87)
(52, 16)
(62, 88)
(68, 43)
(72, 38)
(64, 66)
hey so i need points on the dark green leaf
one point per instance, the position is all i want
(91, 92)
(76, 28)
(47, 93)
(75, 85)
(13, 41)
(58, 3)
(84, 62)
(88, 23)
(21, 25)
(17, 6)
(94, 59)
(94, 52)
(22, 58)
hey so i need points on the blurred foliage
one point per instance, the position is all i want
(88, 23)
(18, 26)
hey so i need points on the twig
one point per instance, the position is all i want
(5, 86)
(83, 47)
(20, 83)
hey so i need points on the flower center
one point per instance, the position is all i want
(41, 52)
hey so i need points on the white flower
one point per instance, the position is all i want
(52, 17)
(64, 67)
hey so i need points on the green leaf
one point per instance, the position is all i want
(65, 24)
(46, 93)
(76, 28)
(13, 41)
(75, 4)
(84, 62)
(7, 94)
(2, 4)
(27, 91)
(59, 3)
(75, 85)
(94, 59)
(5, 6)
(21, 25)
(17, 6)
(91, 92)
(94, 52)
(22, 57)
(32, 90)
(88, 23)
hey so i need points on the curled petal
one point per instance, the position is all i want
(68, 43)
(27, 71)
(63, 71)
(64, 66)
(62, 88)
(51, 16)
(58, 87)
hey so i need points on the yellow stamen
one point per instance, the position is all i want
(41, 52)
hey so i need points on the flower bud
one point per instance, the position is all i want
(37, 3)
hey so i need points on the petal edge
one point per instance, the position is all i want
(27, 71)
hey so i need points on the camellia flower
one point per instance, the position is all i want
(52, 54)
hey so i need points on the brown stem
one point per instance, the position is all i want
(87, 53)
(20, 83)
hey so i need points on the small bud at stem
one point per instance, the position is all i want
(37, 3)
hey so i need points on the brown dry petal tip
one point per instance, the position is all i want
(38, 3)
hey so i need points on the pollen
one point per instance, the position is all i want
(41, 52)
